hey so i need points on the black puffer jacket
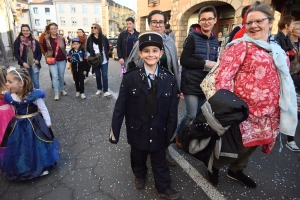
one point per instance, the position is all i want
(196, 49)
(285, 43)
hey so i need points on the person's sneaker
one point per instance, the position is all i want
(178, 142)
(77, 94)
(94, 75)
(169, 194)
(241, 177)
(106, 94)
(170, 160)
(213, 177)
(82, 96)
(98, 92)
(64, 93)
(139, 183)
(56, 97)
(292, 146)
(46, 172)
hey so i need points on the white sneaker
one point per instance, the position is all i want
(46, 172)
(292, 146)
(107, 94)
(83, 96)
(62, 92)
(86, 79)
(94, 75)
(98, 92)
(56, 97)
(77, 94)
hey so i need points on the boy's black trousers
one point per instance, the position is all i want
(160, 169)
(78, 77)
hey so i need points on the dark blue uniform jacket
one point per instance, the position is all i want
(145, 132)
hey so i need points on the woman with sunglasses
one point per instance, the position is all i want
(28, 53)
(59, 52)
(97, 43)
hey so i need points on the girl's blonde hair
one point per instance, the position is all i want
(2, 79)
(28, 86)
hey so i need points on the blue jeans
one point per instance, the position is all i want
(102, 69)
(35, 77)
(192, 103)
(58, 72)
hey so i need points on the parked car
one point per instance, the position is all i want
(114, 53)
(112, 42)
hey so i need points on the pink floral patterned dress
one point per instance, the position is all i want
(256, 81)
(6, 114)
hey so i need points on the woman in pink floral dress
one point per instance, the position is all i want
(259, 68)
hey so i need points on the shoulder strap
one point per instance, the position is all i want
(244, 59)
(57, 45)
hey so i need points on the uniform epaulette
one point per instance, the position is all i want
(164, 69)
(130, 70)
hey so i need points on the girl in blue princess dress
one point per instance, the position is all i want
(28, 147)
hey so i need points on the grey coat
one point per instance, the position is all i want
(171, 53)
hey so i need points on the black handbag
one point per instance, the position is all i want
(95, 61)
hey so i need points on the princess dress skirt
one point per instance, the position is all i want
(28, 146)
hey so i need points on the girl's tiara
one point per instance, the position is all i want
(14, 69)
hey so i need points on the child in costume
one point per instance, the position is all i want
(77, 56)
(148, 100)
(28, 147)
(6, 111)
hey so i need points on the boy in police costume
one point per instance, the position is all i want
(148, 100)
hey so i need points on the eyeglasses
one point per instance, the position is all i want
(209, 20)
(93, 27)
(257, 22)
(298, 29)
(160, 23)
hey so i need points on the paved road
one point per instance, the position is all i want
(92, 168)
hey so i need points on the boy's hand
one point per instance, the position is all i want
(84, 72)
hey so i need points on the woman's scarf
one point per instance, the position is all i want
(288, 99)
(98, 40)
(28, 43)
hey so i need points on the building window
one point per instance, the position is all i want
(97, 10)
(72, 9)
(84, 9)
(47, 11)
(61, 9)
(48, 21)
(74, 21)
(97, 21)
(85, 22)
(37, 22)
(62, 21)
(35, 10)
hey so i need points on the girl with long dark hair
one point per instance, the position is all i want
(28, 53)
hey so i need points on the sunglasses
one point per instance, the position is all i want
(93, 27)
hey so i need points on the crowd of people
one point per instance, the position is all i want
(256, 71)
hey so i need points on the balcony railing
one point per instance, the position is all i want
(152, 3)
